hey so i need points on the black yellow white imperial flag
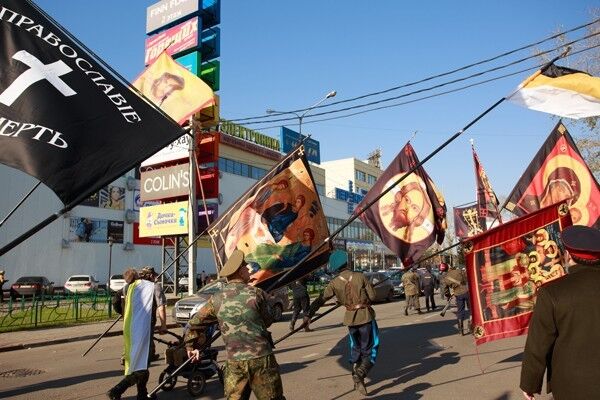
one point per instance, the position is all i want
(561, 91)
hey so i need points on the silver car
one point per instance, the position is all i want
(188, 306)
(384, 291)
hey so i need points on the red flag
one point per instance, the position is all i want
(411, 216)
(487, 202)
(556, 173)
(507, 264)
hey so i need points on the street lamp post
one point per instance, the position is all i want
(301, 116)
(110, 245)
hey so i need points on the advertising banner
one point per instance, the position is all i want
(108, 197)
(164, 183)
(82, 229)
(505, 267)
(177, 39)
(164, 219)
(138, 203)
(212, 209)
(177, 150)
(166, 12)
(191, 62)
(289, 139)
(150, 240)
(115, 230)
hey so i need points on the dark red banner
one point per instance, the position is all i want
(505, 267)
(557, 173)
(487, 202)
(411, 216)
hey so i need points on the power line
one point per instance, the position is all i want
(425, 97)
(427, 88)
(442, 74)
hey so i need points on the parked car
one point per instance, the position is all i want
(383, 291)
(183, 283)
(188, 306)
(396, 278)
(116, 282)
(31, 285)
(81, 284)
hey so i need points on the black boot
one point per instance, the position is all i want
(142, 381)
(120, 388)
(460, 327)
(360, 373)
(293, 324)
(406, 311)
(306, 321)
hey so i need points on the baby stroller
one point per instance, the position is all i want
(196, 373)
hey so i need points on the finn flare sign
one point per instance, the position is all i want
(167, 11)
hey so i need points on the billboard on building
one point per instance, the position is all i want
(182, 37)
(164, 219)
(166, 12)
(289, 139)
(150, 240)
(91, 230)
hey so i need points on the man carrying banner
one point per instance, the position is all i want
(243, 314)
(565, 324)
(137, 333)
(412, 285)
(353, 290)
(456, 280)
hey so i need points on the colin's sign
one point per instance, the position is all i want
(165, 183)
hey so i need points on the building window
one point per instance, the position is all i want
(371, 179)
(320, 189)
(238, 168)
(360, 176)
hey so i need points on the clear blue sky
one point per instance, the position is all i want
(287, 55)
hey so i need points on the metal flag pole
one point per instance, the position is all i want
(101, 336)
(20, 202)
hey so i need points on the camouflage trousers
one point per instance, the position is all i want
(258, 375)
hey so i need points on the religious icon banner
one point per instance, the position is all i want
(505, 267)
(411, 216)
(557, 173)
(467, 221)
(487, 202)
(276, 223)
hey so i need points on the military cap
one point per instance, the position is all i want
(234, 262)
(337, 260)
(583, 243)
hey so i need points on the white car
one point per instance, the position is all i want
(81, 284)
(116, 282)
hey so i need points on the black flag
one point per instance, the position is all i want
(64, 118)
(410, 217)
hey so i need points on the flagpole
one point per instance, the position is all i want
(20, 202)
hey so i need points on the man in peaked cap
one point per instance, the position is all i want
(243, 314)
(353, 290)
(563, 332)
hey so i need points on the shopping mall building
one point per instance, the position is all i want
(77, 243)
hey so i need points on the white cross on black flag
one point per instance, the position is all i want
(64, 118)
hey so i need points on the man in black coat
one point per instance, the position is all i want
(564, 329)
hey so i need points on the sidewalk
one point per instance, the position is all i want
(25, 339)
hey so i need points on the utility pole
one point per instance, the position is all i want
(192, 212)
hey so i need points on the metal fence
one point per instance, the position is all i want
(32, 312)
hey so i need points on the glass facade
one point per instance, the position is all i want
(356, 230)
(239, 168)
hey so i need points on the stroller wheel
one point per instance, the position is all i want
(169, 384)
(196, 383)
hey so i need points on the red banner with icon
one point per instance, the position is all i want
(507, 264)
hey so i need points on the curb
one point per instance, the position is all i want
(24, 346)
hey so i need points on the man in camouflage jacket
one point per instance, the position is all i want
(243, 314)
